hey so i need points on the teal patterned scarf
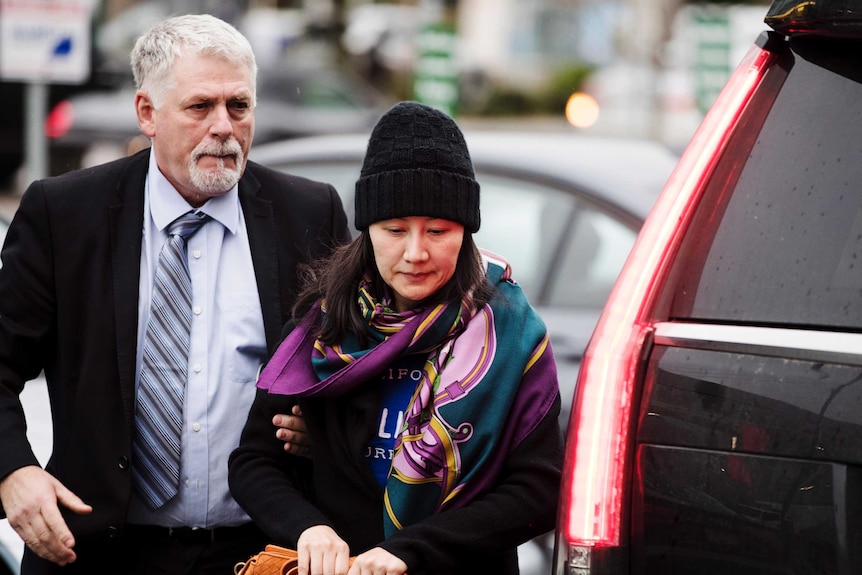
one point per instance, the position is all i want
(489, 379)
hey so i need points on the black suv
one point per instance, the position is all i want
(717, 421)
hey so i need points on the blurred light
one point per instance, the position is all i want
(59, 120)
(582, 110)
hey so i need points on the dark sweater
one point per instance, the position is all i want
(285, 494)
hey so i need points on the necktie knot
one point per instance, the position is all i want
(187, 224)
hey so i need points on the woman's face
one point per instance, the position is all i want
(415, 255)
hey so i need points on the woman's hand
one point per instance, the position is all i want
(321, 550)
(378, 561)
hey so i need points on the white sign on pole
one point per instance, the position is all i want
(46, 41)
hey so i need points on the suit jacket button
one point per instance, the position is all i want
(113, 533)
(123, 462)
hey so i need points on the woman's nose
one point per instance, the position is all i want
(415, 248)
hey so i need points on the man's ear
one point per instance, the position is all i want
(145, 110)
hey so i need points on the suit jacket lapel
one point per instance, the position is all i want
(126, 225)
(262, 239)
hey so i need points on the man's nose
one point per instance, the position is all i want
(221, 125)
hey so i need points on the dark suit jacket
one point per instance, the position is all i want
(69, 301)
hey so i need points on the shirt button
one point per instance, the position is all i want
(196, 426)
(197, 367)
(196, 254)
(197, 310)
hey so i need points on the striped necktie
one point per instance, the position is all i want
(164, 369)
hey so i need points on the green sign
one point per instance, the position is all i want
(436, 74)
(711, 54)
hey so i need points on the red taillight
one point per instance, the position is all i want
(59, 120)
(596, 474)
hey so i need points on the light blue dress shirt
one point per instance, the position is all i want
(228, 347)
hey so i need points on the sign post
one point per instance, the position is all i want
(43, 42)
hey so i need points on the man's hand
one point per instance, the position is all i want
(292, 430)
(31, 497)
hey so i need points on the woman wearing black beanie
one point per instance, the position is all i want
(426, 380)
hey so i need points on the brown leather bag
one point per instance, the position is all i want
(273, 560)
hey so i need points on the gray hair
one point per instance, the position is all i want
(154, 52)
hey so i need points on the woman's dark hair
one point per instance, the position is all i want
(336, 279)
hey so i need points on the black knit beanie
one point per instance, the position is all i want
(417, 164)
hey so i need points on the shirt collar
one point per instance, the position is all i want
(166, 203)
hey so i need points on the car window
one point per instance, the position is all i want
(590, 261)
(560, 256)
(779, 238)
(523, 222)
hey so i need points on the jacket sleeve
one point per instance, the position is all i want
(269, 483)
(26, 321)
(521, 506)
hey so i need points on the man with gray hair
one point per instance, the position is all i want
(150, 290)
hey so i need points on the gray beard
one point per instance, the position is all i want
(218, 181)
